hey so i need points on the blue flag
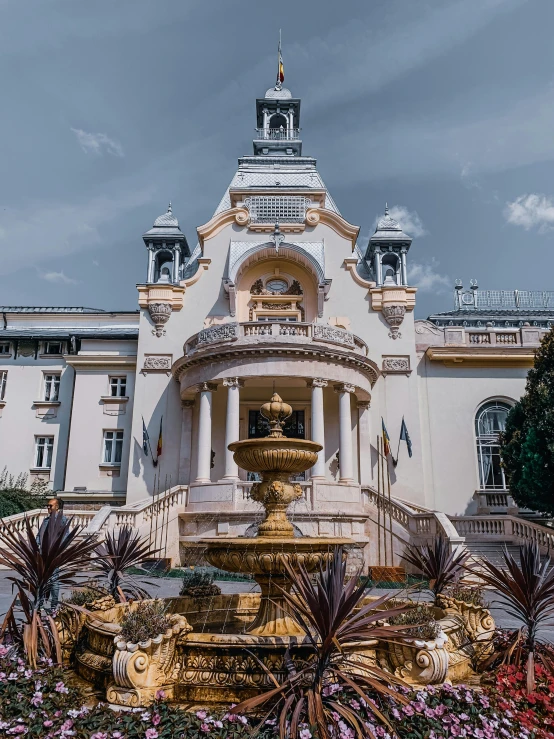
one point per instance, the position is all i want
(145, 438)
(405, 436)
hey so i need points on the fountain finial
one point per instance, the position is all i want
(276, 412)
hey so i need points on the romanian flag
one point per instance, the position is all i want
(280, 66)
(160, 440)
(386, 438)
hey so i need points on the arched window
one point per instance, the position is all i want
(489, 422)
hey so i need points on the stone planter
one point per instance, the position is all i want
(416, 660)
(141, 670)
(477, 620)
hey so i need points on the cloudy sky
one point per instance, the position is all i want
(443, 108)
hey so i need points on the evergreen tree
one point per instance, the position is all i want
(528, 441)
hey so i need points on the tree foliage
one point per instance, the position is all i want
(16, 496)
(527, 444)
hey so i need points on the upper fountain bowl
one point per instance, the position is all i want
(274, 454)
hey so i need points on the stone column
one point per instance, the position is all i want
(176, 264)
(232, 431)
(345, 433)
(364, 442)
(204, 458)
(186, 442)
(151, 260)
(404, 269)
(318, 426)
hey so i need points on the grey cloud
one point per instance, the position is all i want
(97, 143)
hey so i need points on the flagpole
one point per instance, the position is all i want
(398, 450)
(379, 499)
(390, 517)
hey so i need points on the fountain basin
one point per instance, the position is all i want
(265, 558)
(271, 454)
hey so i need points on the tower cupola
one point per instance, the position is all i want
(387, 250)
(167, 249)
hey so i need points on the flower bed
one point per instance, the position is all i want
(44, 704)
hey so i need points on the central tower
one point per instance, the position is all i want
(278, 124)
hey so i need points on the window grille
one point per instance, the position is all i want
(118, 387)
(44, 446)
(51, 387)
(113, 447)
(277, 208)
(3, 381)
(514, 299)
(5, 347)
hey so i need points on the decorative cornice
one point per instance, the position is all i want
(344, 387)
(393, 295)
(203, 264)
(239, 350)
(350, 264)
(97, 361)
(334, 221)
(219, 221)
(482, 356)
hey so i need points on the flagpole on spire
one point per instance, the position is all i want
(280, 67)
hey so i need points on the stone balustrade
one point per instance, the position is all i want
(275, 331)
(492, 336)
(504, 528)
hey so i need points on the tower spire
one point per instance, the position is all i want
(280, 67)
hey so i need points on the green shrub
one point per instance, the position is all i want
(86, 596)
(17, 497)
(472, 594)
(422, 616)
(145, 622)
(199, 584)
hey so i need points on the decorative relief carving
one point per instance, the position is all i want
(345, 387)
(394, 315)
(26, 348)
(396, 364)
(157, 363)
(206, 387)
(277, 306)
(233, 382)
(426, 327)
(159, 313)
(332, 335)
(215, 334)
(318, 382)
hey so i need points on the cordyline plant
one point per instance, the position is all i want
(116, 555)
(437, 563)
(328, 611)
(61, 555)
(527, 588)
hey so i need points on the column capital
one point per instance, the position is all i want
(206, 387)
(188, 403)
(317, 382)
(233, 382)
(363, 405)
(345, 387)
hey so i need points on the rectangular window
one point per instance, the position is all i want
(3, 381)
(44, 448)
(51, 387)
(491, 473)
(4, 347)
(53, 347)
(118, 387)
(277, 318)
(113, 447)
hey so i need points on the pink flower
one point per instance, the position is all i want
(201, 714)
(156, 718)
(203, 727)
(36, 700)
(99, 735)
(455, 730)
(419, 706)
(60, 688)
(160, 695)
(429, 712)
(117, 735)
(305, 734)
(48, 723)
(151, 734)
(408, 710)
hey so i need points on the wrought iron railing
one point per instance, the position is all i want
(278, 134)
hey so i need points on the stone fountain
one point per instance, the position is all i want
(276, 458)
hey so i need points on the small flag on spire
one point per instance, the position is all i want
(280, 67)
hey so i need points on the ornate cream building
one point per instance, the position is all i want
(276, 295)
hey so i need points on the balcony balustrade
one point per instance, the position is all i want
(275, 331)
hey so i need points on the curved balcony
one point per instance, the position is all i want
(274, 332)
(274, 348)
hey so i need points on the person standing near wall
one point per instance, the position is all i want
(55, 509)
